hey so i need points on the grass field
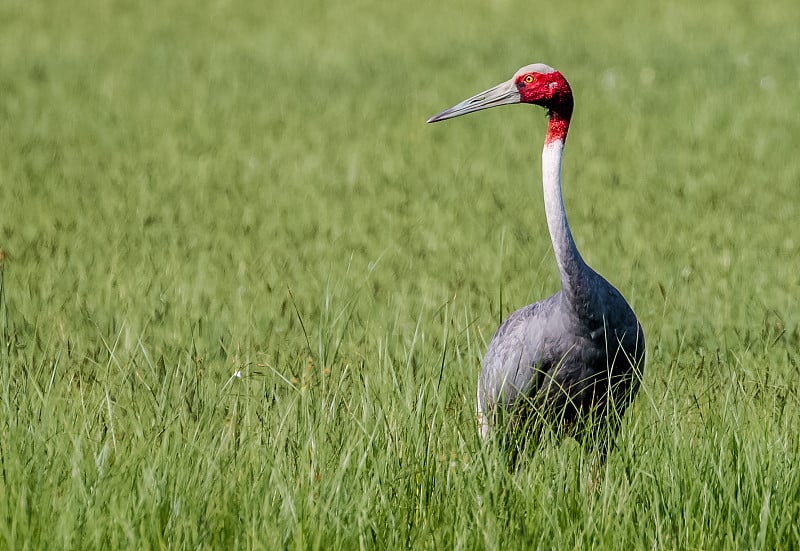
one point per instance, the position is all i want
(245, 289)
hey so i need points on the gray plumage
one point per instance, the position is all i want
(558, 358)
(578, 355)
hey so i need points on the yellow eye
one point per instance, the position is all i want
(528, 79)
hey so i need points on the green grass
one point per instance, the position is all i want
(246, 289)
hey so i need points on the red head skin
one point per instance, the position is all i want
(551, 91)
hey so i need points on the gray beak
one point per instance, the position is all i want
(502, 94)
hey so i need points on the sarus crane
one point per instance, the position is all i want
(572, 362)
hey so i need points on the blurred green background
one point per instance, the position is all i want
(233, 250)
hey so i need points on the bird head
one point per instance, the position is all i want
(538, 84)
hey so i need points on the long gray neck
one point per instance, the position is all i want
(571, 267)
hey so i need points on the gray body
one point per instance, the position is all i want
(556, 360)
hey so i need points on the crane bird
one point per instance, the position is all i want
(573, 361)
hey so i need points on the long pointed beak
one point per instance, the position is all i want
(502, 94)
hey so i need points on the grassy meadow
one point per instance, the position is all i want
(245, 289)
